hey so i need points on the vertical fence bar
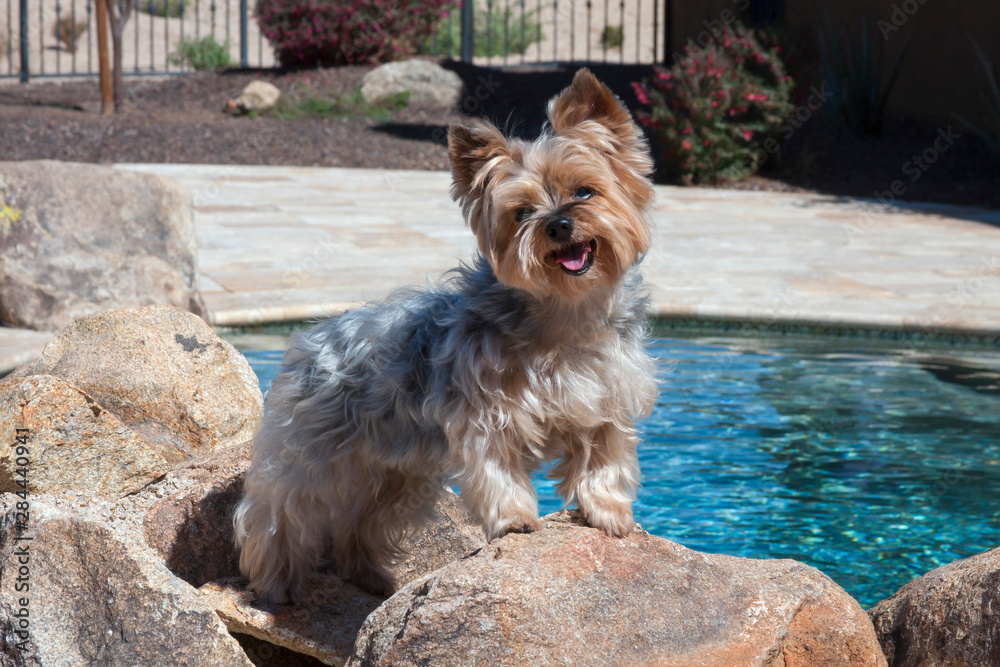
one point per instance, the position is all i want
(166, 36)
(228, 21)
(58, 34)
(538, 32)
(489, 31)
(638, 31)
(506, 30)
(572, 30)
(604, 42)
(668, 36)
(10, 34)
(135, 33)
(24, 40)
(656, 32)
(181, 7)
(152, 57)
(468, 30)
(41, 38)
(72, 14)
(555, 31)
(524, 33)
(243, 34)
(621, 15)
(589, 7)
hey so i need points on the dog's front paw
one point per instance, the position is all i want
(522, 524)
(616, 522)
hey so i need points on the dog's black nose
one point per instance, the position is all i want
(559, 230)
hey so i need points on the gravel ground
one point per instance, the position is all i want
(179, 119)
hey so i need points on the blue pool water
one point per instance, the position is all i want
(874, 467)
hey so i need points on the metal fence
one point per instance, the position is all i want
(58, 38)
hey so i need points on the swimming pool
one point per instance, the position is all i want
(874, 466)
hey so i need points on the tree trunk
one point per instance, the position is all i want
(118, 16)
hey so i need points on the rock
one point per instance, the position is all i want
(95, 598)
(323, 625)
(71, 442)
(428, 83)
(193, 529)
(452, 535)
(79, 238)
(572, 595)
(163, 373)
(257, 96)
(950, 616)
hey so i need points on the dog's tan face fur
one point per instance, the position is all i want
(564, 215)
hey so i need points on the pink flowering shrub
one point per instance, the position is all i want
(712, 112)
(310, 33)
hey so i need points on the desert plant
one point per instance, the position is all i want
(990, 131)
(497, 32)
(68, 31)
(204, 53)
(852, 73)
(310, 33)
(712, 111)
(173, 9)
(612, 37)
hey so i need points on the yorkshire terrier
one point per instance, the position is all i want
(533, 353)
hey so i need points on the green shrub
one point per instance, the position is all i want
(713, 110)
(311, 33)
(67, 32)
(852, 72)
(296, 105)
(497, 32)
(204, 53)
(612, 37)
(173, 9)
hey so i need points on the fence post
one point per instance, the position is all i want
(468, 31)
(24, 41)
(243, 34)
(668, 33)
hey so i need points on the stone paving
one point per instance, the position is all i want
(293, 243)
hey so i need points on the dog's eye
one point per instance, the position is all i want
(584, 193)
(522, 213)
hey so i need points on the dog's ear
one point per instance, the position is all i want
(474, 152)
(587, 99)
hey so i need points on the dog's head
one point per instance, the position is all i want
(567, 213)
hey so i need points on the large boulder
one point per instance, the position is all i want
(948, 617)
(428, 84)
(79, 238)
(162, 372)
(69, 442)
(93, 597)
(569, 594)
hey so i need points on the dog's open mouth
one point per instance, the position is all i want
(577, 258)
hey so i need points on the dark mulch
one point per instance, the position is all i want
(179, 119)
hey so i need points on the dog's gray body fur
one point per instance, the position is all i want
(373, 411)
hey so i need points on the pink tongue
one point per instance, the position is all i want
(573, 257)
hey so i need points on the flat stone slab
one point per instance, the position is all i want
(293, 243)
